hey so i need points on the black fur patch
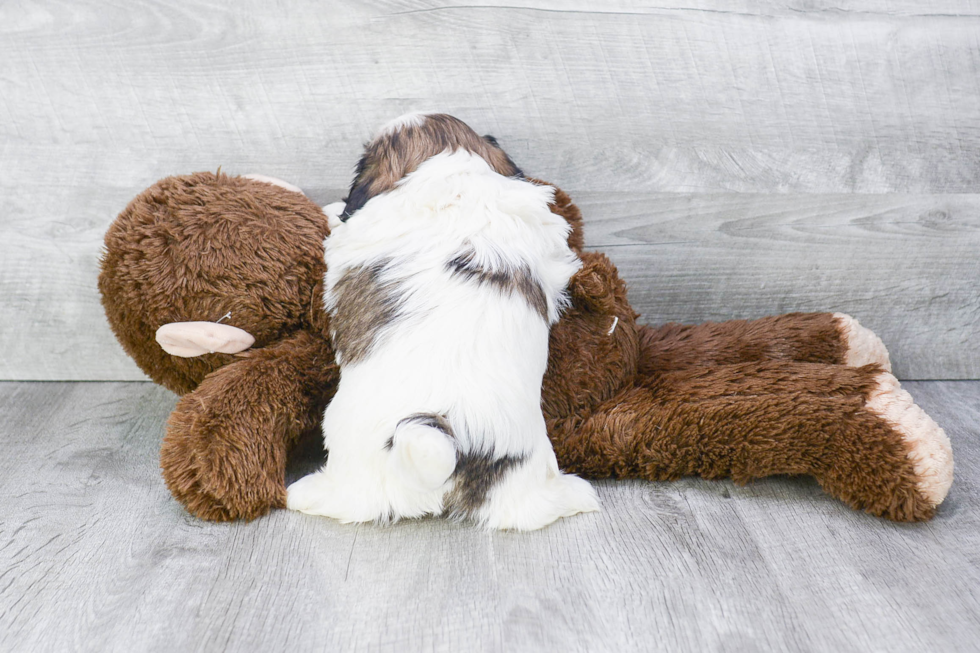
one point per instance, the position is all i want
(516, 172)
(365, 306)
(476, 474)
(517, 280)
(432, 420)
(359, 193)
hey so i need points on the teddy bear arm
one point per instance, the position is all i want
(864, 440)
(224, 454)
(593, 348)
(831, 338)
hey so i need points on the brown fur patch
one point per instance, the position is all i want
(587, 365)
(399, 152)
(365, 307)
(476, 474)
(804, 337)
(515, 281)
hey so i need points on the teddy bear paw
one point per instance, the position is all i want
(863, 345)
(203, 499)
(929, 449)
(215, 482)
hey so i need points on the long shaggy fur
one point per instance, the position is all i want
(441, 293)
(405, 143)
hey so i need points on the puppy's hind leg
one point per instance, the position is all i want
(423, 451)
(536, 494)
(312, 494)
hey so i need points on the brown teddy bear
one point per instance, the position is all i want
(792, 394)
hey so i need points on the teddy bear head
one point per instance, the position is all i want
(230, 253)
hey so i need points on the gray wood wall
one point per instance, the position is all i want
(735, 158)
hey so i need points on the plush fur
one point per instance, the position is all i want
(744, 399)
(441, 292)
(203, 246)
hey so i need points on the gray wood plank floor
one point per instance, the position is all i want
(96, 556)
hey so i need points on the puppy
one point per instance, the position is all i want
(444, 272)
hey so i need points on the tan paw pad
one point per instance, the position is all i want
(929, 448)
(863, 346)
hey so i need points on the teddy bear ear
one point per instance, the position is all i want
(275, 182)
(190, 339)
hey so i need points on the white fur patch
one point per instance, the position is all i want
(414, 119)
(333, 211)
(471, 352)
(929, 448)
(422, 456)
(863, 345)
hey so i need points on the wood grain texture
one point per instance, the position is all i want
(95, 556)
(906, 266)
(750, 97)
(791, 97)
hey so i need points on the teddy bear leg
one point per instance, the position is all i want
(224, 454)
(857, 433)
(216, 467)
(929, 449)
(830, 338)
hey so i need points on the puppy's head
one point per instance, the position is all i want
(402, 145)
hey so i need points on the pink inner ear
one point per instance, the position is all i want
(189, 339)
